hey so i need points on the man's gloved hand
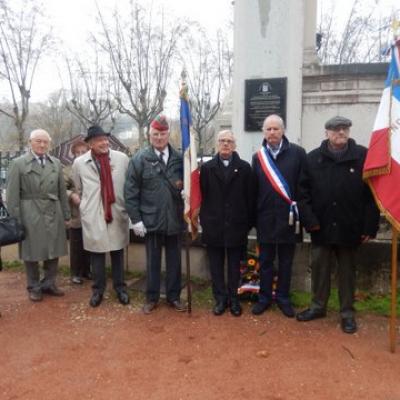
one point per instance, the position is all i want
(183, 195)
(139, 229)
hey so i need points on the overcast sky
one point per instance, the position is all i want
(72, 20)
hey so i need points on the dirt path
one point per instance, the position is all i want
(63, 349)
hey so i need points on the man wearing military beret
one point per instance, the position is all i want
(154, 204)
(338, 209)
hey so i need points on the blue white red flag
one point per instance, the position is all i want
(382, 165)
(278, 182)
(191, 173)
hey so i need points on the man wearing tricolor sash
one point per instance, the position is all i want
(276, 167)
(337, 208)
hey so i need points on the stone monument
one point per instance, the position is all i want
(271, 43)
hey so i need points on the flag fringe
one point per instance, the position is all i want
(376, 172)
(382, 209)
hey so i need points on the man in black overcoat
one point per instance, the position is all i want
(276, 167)
(225, 217)
(338, 209)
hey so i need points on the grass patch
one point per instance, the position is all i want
(14, 265)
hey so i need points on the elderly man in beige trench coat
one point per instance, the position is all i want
(99, 177)
(36, 195)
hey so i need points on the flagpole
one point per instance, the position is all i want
(393, 311)
(188, 238)
(188, 279)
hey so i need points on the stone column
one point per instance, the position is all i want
(269, 42)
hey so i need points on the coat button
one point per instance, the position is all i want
(334, 223)
(334, 203)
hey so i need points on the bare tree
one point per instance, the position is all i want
(208, 70)
(53, 115)
(361, 38)
(141, 52)
(22, 43)
(89, 95)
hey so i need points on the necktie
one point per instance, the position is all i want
(41, 159)
(162, 157)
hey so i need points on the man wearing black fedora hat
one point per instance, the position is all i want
(338, 210)
(99, 177)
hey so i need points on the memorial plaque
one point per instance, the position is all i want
(263, 97)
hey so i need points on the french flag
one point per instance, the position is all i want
(191, 173)
(382, 165)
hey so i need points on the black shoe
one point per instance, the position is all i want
(236, 308)
(177, 305)
(53, 291)
(96, 299)
(349, 325)
(310, 314)
(287, 309)
(149, 307)
(123, 298)
(219, 308)
(259, 308)
(35, 295)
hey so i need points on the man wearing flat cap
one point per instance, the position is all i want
(155, 207)
(99, 177)
(338, 210)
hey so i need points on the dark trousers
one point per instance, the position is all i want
(322, 259)
(98, 262)
(285, 253)
(34, 284)
(154, 243)
(216, 257)
(79, 258)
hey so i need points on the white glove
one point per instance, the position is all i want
(139, 229)
(183, 195)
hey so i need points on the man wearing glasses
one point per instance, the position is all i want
(337, 208)
(225, 217)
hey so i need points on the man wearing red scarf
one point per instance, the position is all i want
(99, 176)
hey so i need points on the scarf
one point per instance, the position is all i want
(106, 184)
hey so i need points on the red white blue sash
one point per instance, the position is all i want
(279, 184)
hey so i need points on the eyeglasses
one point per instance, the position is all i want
(227, 141)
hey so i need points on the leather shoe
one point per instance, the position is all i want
(259, 308)
(236, 308)
(149, 307)
(96, 299)
(35, 295)
(349, 325)
(53, 291)
(219, 308)
(287, 309)
(178, 305)
(310, 314)
(123, 298)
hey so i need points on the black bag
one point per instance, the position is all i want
(11, 231)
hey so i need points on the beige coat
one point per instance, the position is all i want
(37, 197)
(98, 236)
